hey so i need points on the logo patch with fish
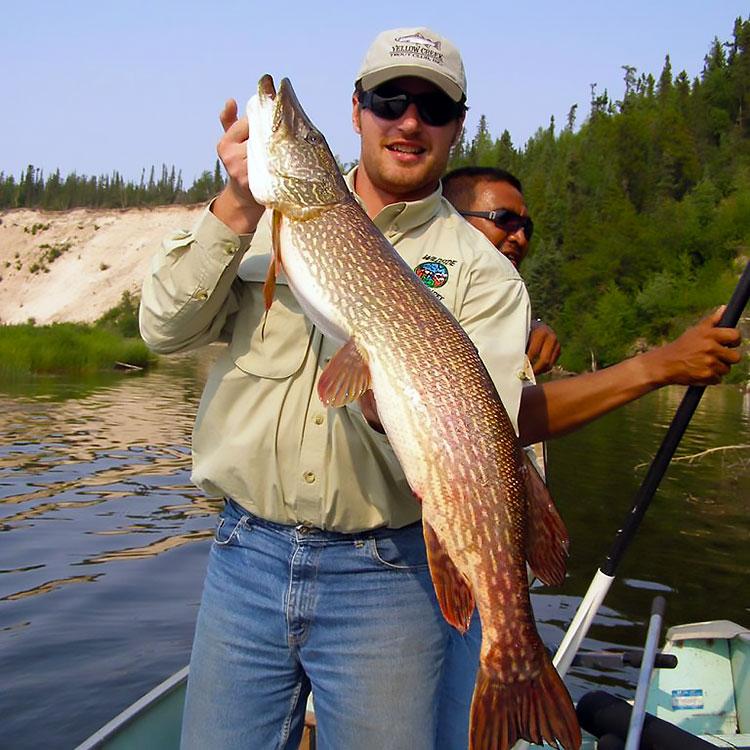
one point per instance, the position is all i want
(432, 273)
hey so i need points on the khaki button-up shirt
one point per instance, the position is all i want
(262, 436)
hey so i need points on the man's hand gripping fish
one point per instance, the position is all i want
(485, 511)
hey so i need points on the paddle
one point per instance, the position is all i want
(605, 575)
(638, 713)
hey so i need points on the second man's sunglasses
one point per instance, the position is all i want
(390, 103)
(508, 221)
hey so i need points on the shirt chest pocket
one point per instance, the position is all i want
(276, 349)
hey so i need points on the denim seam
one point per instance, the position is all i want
(290, 639)
(287, 725)
(235, 531)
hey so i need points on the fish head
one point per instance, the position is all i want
(290, 167)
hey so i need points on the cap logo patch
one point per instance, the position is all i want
(417, 45)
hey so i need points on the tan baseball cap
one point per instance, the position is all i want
(414, 52)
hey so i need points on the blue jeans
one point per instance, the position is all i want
(287, 609)
(460, 669)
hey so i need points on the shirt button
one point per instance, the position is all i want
(229, 248)
(201, 294)
(318, 419)
(309, 477)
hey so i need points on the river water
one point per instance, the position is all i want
(104, 540)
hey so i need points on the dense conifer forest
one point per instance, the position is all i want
(642, 211)
(642, 215)
(56, 193)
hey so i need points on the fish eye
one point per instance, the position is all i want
(313, 138)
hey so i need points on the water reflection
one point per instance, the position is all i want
(95, 489)
(46, 588)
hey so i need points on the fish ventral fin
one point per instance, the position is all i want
(452, 590)
(538, 710)
(546, 537)
(346, 377)
(274, 267)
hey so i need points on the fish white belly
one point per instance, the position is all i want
(312, 297)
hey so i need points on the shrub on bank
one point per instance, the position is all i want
(66, 348)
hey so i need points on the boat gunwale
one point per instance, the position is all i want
(134, 710)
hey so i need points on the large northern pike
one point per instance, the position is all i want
(485, 513)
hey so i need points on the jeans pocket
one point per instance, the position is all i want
(226, 531)
(405, 553)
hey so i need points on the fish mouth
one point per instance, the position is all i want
(274, 116)
(287, 110)
(290, 167)
(262, 116)
(266, 87)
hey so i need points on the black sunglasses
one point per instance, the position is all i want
(508, 221)
(390, 103)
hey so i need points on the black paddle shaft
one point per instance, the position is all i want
(672, 439)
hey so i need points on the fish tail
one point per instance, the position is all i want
(537, 710)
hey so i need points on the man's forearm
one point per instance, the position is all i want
(560, 406)
(702, 355)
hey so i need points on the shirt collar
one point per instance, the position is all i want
(403, 216)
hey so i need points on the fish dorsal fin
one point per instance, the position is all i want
(546, 537)
(345, 378)
(453, 592)
(274, 267)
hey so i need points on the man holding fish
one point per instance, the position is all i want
(318, 577)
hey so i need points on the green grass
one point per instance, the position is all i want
(66, 349)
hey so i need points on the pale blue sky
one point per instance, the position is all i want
(97, 86)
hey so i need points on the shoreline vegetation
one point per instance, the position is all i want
(111, 343)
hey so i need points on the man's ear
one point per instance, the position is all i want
(459, 130)
(356, 115)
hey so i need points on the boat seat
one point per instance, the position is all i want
(709, 692)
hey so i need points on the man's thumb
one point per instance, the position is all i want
(228, 115)
(715, 317)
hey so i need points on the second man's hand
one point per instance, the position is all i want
(369, 408)
(543, 349)
(702, 355)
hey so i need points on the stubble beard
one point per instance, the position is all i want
(403, 180)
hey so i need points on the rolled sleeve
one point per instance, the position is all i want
(189, 294)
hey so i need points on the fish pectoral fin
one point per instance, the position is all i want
(453, 592)
(546, 538)
(274, 267)
(346, 377)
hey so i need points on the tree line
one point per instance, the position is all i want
(642, 215)
(54, 193)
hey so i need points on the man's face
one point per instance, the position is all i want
(490, 196)
(404, 157)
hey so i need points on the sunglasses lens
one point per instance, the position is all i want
(387, 107)
(511, 223)
(436, 109)
(390, 103)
